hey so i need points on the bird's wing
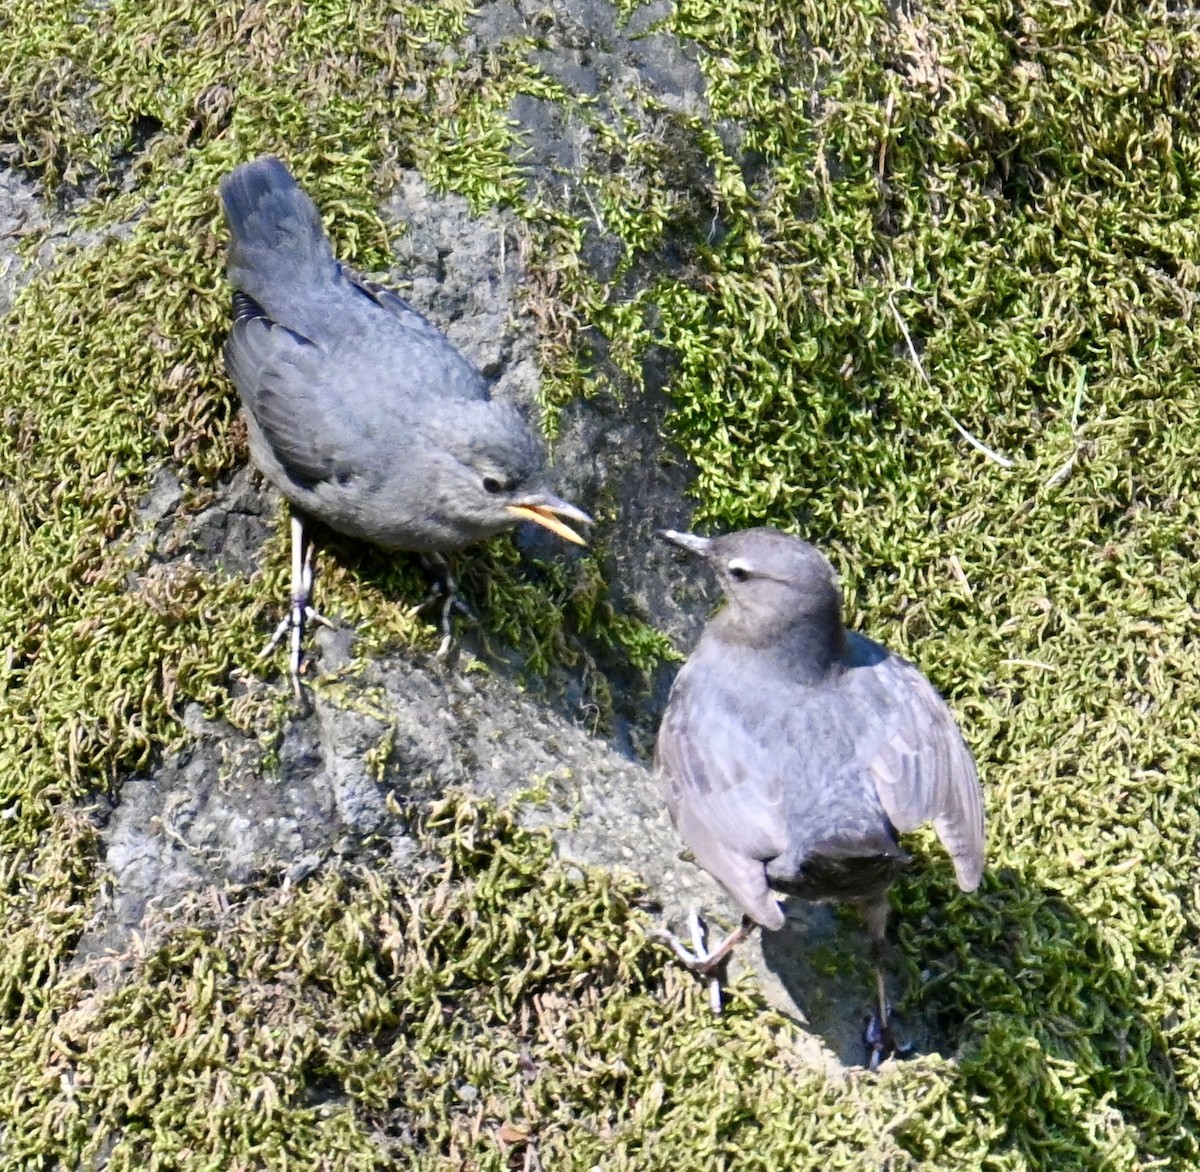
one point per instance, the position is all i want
(723, 792)
(921, 766)
(427, 361)
(393, 303)
(290, 387)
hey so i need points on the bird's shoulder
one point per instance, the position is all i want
(733, 721)
(403, 344)
(368, 334)
(900, 710)
(722, 788)
(740, 717)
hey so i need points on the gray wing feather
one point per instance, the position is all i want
(723, 796)
(283, 381)
(409, 346)
(319, 402)
(922, 768)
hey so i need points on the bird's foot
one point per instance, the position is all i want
(699, 958)
(445, 590)
(881, 1043)
(299, 614)
(300, 610)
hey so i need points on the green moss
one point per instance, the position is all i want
(498, 999)
(1015, 181)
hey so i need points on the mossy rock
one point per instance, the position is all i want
(875, 229)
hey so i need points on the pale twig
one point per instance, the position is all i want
(1080, 385)
(591, 203)
(977, 444)
(1057, 477)
(883, 140)
(1029, 663)
(957, 570)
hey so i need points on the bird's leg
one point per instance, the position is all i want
(877, 1036)
(293, 621)
(445, 588)
(701, 960)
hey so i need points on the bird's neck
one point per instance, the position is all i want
(806, 647)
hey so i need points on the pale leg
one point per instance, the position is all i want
(300, 610)
(877, 1036)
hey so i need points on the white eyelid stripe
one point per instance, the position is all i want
(737, 564)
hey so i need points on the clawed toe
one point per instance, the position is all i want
(698, 958)
(297, 618)
(699, 961)
(445, 590)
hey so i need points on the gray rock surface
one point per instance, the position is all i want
(22, 215)
(32, 234)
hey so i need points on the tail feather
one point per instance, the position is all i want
(278, 242)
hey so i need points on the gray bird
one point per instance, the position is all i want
(793, 751)
(359, 410)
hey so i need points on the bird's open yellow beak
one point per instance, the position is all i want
(545, 510)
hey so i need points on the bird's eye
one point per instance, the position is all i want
(739, 571)
(491, 484)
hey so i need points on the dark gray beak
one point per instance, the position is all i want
(689, 541)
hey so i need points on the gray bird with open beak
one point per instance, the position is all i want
(361, 412)
(793, 752)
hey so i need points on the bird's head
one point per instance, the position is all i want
(491, 474)
(772, 580)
